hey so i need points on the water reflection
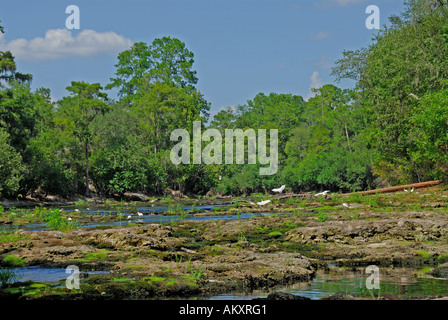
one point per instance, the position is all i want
(37, 274)
(400, 282)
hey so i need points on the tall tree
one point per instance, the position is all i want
(406, 60)
(132, 65)
(166, 60)
(77, 112)
(172, 62)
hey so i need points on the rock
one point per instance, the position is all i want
(134, 196)
(339, 296)
(285, 296)
(176, 194)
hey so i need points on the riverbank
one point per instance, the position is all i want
(292, 240)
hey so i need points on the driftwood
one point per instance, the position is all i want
(188, 250)
(398, 188)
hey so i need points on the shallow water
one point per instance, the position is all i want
(37, 274)
(151, 214)
(397, 281)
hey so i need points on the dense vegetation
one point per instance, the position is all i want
(391, 128)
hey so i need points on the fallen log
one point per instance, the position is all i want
(398, 188)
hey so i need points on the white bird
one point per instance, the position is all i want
(140, 214)
(262, 203)
(252, 203)
(88, 209)
(345, 205)
(69, 219)
(406, 190)
(76, 210)
(412, 190)
(324, 193)
(129, 217)
(279, 190)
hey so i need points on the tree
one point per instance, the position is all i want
(166, 60)
(172, 62)
(406, 61)
(8, 67)
(165, 107)
(77, 112)
(132, 65)
(11, 166)
(430, 134)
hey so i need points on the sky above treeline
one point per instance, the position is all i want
(241, 47)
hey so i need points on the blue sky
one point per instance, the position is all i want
(241, 47)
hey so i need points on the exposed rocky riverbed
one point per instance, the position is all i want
(206, 257)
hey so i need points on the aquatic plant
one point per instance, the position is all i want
(7, 276)
(56, 221)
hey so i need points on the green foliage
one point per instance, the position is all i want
(55, 221)
(322, 216)
(406, 62)
(431, 134)
(13, 261)
(7, 276)
(11, 167)
(390, 129)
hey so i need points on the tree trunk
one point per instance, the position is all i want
(348, 139)
(87, 194)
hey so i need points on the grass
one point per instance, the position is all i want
(97, 255)
(11, 236)
(7, 276)
(322, 216)
(13, 261)
(424, 254)
(82, 203)
(53, 219)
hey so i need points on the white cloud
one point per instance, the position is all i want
(338, 3)
(320, 36)
(60, 43)
(316, 82)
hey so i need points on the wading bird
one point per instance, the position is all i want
(262, 203)
(140, 214)
(345, 205)
(279, 190)
(324, 193)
